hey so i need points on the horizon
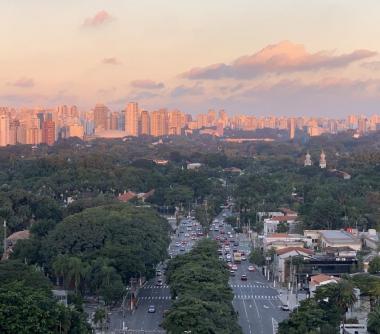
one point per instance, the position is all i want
(193, 56)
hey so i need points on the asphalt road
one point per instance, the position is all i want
(256, 302)
(153, 294)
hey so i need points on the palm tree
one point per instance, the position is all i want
(100, 317)
(374, 320)
(75, 271)
(60, 268)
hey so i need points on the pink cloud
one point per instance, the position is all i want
(147, 84)
(100, 18)
(111, 61)
(23, 83)
(277, 58)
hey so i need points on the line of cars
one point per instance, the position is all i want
(229, 249)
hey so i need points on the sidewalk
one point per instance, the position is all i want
(290, 299)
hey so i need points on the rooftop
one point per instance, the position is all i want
(295, 249)
(338, 236)
(318, 279)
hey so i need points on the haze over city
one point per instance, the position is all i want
(288, 58)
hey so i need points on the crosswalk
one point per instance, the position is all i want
(152, 286)
(250, 286)
(256, 297)
(155, 297)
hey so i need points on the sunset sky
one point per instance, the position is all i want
(278, 57)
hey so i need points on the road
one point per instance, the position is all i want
(256, 302)
(154, 293)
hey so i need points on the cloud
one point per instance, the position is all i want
(185, 91)
(147, 84)
(23, 83)
(100, 18)
(145, 95)
(111, 61)
(372, 66)
(277, 58)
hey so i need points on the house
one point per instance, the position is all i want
(320, 280)
(341, 251)
(283, 240)
(312, 237)
(161, 162)
(129, 195)
(280, 272)
(271, 224)
(60, 296)
(339, 238)
(232, 170)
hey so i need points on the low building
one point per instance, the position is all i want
(339, 238)
(283, 240)
(271, 224)
(370, 239)
(319, 280)
(312, 237)
(60, 296)
(194, 166)
(283, 254)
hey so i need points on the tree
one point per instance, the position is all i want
(373, 324)
(257, 257)
(100, 317)
(374, 265)
(28, 310)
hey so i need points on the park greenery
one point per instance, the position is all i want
(85, 240)
(202, 297)
(27, 304)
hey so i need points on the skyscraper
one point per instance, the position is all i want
(176, 122)
(48, 132)
(4, 130)
(145, 122)
(100, 117)
(159, 123)
(132, 119)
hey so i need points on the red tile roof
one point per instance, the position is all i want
(127, 196)
(318, 279)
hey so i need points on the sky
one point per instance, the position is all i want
(273, 57)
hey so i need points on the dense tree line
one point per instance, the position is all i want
(99, 250)
(203, 299)
(27, 304)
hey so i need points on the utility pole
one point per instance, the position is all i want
(5, 239)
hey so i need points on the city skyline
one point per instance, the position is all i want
(284, 58)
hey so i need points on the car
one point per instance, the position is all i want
(251, 268)
(232, 272)
(177, 244)
(187, 235)
(159, 283)
(243, 258)
(182, 249)
(228, 256)
(234, 267)
(285, 307)
(236, 244)
(221, 257)
(193, 238)
(158, 272)
(151, 309)
(244, 277)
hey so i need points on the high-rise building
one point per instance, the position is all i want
(132, 119)
(144, 122)
(100, 117)
(159, 123)
(4, 130)
(114, 121)
(176, 122)
(48, 132)
(292, 127)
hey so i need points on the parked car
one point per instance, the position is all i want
(244, 277)
(285, 307)
(152, 309)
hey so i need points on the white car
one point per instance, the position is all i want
(228, 256)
